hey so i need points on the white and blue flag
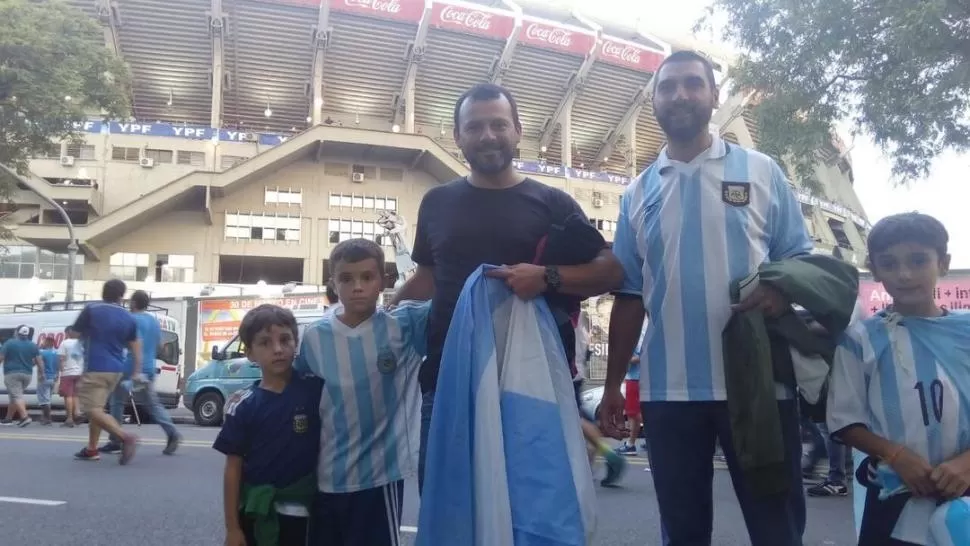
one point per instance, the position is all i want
(506, 459)
(950, 524)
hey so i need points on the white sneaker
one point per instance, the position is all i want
(24, 422)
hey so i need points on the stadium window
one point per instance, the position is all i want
(176, 267)
(195, 159)
(129, 266)
(80, 150)
(230, 161)
(26, 261)
(262, 227)
(159, 156)
(276, 196)
(353, 201)
(340, 230)
(838, 229)
(120, 153)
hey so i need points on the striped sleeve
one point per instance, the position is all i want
(787, 230)
(625, 249)
(848, 399)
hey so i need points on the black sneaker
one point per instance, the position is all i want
(26, 421)
(87, 455)
(6, 423)
(828, 489)
(110, 447)
(172, 445)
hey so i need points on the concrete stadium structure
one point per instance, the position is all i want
(264, 132)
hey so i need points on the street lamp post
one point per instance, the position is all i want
(71, 245)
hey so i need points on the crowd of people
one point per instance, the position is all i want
(710, 246)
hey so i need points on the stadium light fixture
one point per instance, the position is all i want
(67, 98)
(396, 128)
(268, 112)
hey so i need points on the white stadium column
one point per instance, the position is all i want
(404, 101)
(217, 31)
(504, 61)
(110, 17)
(321, 41)
(630, 153)
(566, 132)
(630, 116)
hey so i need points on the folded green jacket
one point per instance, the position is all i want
(757, 357)
(259, 503)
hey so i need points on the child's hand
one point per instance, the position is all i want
(235, 537)
(952, 478)
(915, 473)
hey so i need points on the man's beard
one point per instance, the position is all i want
(698, 121)
(487, 167)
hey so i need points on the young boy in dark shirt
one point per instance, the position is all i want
(271, 438)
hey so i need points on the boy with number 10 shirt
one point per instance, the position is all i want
(900, 388)
(370, 406)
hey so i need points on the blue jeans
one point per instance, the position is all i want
(681, 439)
(427, 405)
(45, 390)
(822, 443)
(145, 396)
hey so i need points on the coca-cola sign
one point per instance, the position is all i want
(400, 10)
(630, 55)
(471, 19)
(552, 36)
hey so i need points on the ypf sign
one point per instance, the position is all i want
(471, 19)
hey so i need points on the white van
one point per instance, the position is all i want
(48, 321)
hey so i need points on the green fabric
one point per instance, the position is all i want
(258, 502)
(756, 357)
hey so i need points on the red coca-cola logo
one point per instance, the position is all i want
(550, 35)
(626, 53)
(384, 6)
(466, 18)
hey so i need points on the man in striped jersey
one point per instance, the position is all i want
(370, 410)
(706, 213)
(900, 385)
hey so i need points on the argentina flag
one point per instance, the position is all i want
(950, 525)
(506, 461)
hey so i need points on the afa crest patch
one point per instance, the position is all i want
(736, 194)
(301, 423)
(386, 361)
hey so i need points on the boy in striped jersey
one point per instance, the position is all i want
(900, 385)
(371, 407)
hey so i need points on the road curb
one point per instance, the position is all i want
(59, 417)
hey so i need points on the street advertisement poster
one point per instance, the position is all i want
(219, 318)
(952, 293)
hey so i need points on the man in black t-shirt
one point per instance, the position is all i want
(494, 216)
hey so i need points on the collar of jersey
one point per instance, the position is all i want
(717, 150)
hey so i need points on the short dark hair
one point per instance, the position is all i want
(263, 317)
(114, 290)
(484, 92)
(332, 294)
(688, 56)
(356, 250)
(140, 300)
(908, 227)
(68, 330)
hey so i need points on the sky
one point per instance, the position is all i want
(945, 193)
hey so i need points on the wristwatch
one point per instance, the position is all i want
(552, 278)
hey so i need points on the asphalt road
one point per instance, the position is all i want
(49, 499)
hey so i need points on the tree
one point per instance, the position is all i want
(55, 71)
(898, 70)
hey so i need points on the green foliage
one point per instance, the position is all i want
(898, 70)
(50, 51)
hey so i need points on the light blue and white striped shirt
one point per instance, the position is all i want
(906, 379)
(370, 410)
(685, 232)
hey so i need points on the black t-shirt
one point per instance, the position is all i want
(461, 227)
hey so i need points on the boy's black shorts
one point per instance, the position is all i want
(294, 531)
(371, 517)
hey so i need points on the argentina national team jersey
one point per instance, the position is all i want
(684, 233)
(370, 410)
(908, 380)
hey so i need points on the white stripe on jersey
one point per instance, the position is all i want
(370, 406)
(682, 243)
(895, 384)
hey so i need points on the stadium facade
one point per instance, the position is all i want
(265, 132)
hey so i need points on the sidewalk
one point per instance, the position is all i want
(180, 415)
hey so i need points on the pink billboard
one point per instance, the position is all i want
(408, 11)
(562, 38)
(951, 293)
(628, 54)
(472, 19)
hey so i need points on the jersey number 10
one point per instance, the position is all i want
(936, 399)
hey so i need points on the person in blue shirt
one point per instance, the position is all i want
(369, 359)
(270, 436)
(19, 355)
(107, 330)
(45, 387)
(150, 334)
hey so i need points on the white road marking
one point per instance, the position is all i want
(37, 502)
(408, 529)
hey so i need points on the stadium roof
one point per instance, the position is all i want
(274, 54)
